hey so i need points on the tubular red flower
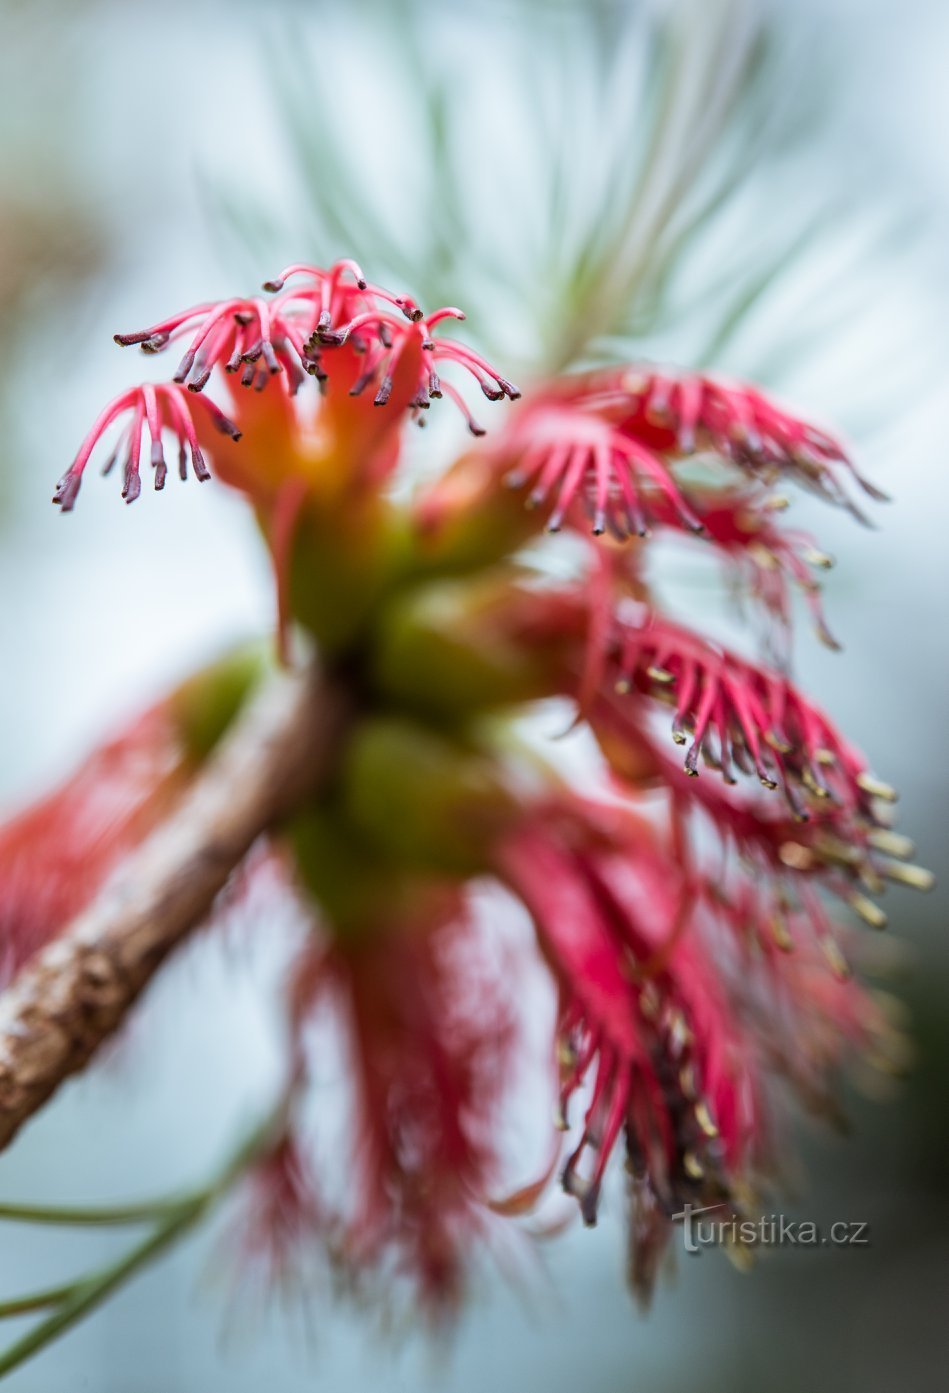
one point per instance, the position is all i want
(159, 409)
(374, 338)
(604, 445)
(382, 337)
(846, 849)
(292, 333)
(675, 1008)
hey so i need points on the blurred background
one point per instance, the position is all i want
(760, 187)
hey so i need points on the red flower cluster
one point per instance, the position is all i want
(683, 985)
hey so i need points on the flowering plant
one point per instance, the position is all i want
(685, 909)
(688, 977)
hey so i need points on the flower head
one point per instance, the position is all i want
(294, 333)
(311, 322)
(605, 445)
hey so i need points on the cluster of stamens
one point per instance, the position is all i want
(761, 723)
(699, 412)
(293, 332)
(157, 409)
(566, 453)
(673, 1141)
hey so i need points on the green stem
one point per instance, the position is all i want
(176, 1217)
(36, 1301)
(140, 1213)
(87, 1293)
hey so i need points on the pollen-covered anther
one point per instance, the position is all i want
(704, 1118)
(781, 935)
(158, 409)
(876, 788)
(692, 1166)
(834, 958)
(891, 843)
(868, 910)
(914, 877)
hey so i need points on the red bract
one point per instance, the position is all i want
(159, 410)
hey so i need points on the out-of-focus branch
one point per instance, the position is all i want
(76, 993)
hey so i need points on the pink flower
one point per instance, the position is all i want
(686, 412)
(382, 338)
(295, 333)
(159, 410)
(675, 1010)
(605, 445)
(257, 337)
(568, 455)
(738, 716)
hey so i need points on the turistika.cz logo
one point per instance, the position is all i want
(706, 1227)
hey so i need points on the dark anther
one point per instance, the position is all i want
(66, 491)
(185, 366)
(201, 471)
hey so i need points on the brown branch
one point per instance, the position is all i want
(69, 998)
